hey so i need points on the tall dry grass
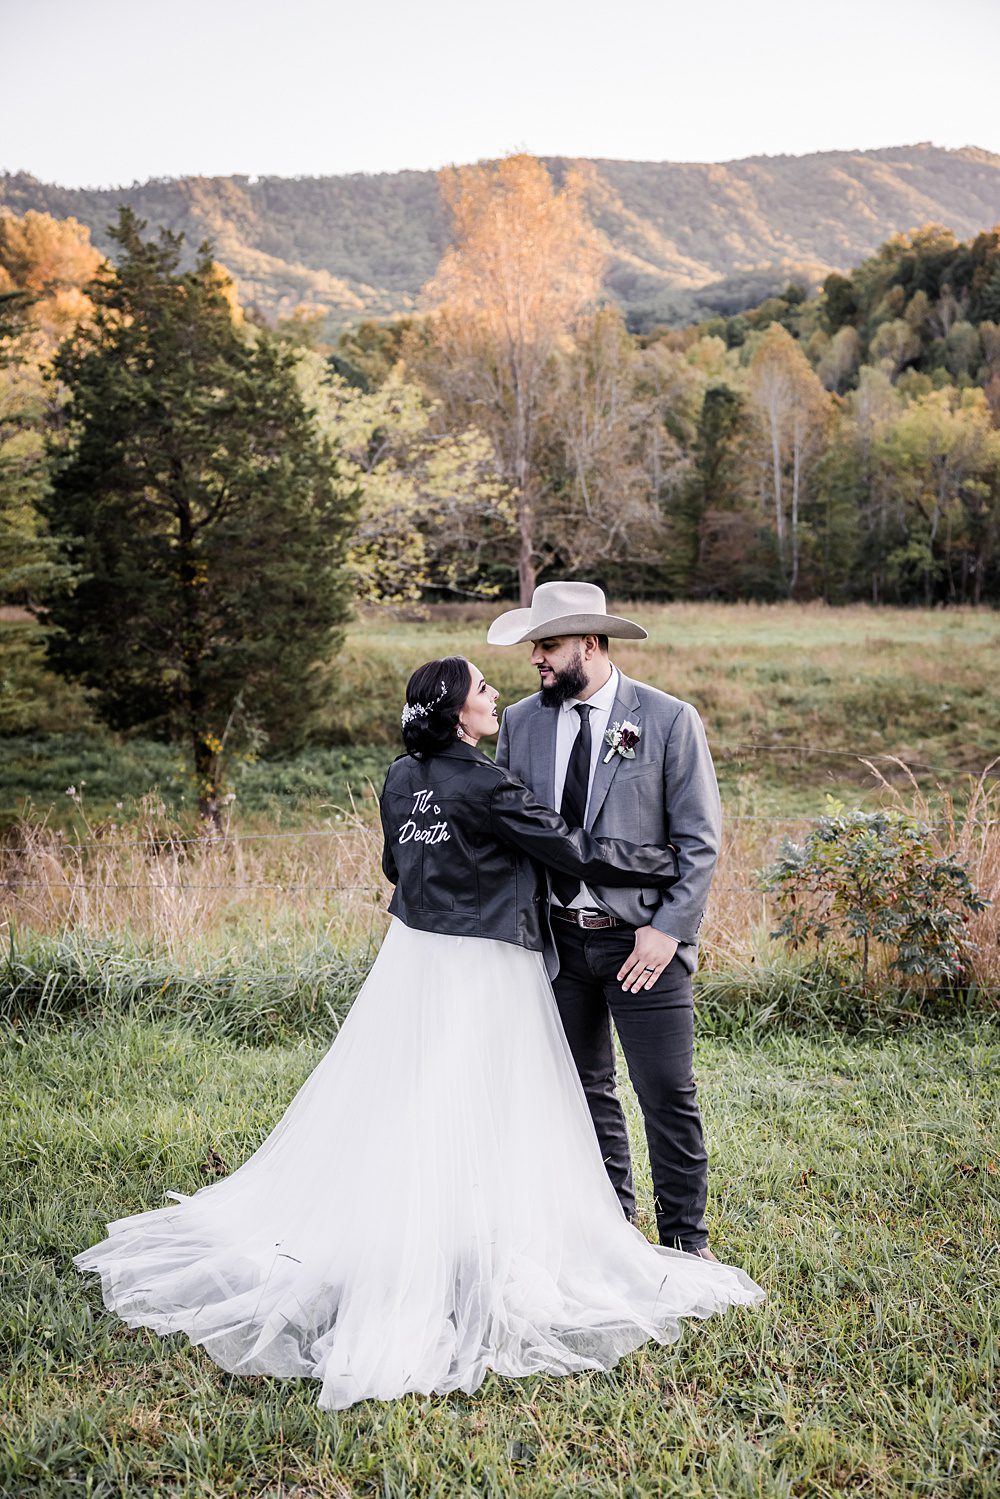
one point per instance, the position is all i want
(179, 894)
(148, 881)
(970, 832)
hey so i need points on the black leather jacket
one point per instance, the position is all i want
(463, 842)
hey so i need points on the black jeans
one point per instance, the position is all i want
(656, 1027)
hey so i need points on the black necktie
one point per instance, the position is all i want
(573, 807)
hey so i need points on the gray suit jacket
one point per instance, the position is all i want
(667, 794)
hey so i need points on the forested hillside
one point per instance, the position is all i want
(683, 240)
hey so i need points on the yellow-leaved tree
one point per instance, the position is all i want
(45, 264)
(792, 411)
(523, 266)
(432, 508)
(944, 453)
(52, 260)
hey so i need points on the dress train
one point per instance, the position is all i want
(432, 1205)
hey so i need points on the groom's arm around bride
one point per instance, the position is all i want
(667, 794)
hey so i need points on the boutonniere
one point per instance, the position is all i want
(623, 738)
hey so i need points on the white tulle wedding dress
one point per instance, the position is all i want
(431, 1206)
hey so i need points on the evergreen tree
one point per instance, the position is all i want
(989, 298)
(13, 312)
(204, 516)
(841, 562)
(840, 304)
(714, 486)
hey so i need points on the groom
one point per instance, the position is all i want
(625, 761)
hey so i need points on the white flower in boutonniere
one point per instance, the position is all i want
(623, 738)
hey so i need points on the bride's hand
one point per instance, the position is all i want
(652, 952)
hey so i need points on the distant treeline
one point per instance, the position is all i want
(843, 446)
(850, 449)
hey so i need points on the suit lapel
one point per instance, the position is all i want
(626, 705)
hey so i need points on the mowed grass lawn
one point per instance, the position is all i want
(855, 1178)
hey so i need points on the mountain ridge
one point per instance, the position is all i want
(683, 239)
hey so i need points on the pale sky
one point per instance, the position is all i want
(105, 92)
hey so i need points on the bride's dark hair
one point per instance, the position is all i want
(440, 689)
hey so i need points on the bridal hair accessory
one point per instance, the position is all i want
(421, 710)
(623, 738)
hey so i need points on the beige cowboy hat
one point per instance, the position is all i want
(562, 609)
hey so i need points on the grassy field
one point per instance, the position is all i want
(856, 1179)
(161, 997)
(791, 695)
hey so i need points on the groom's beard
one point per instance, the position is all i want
(569, 682)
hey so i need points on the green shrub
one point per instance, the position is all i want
(867, 880)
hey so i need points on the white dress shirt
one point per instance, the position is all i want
(567, 727)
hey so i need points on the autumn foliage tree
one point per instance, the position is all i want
(51, 261)
(432, 512)
(26, 564)
(523, 265)
(792, 410)
(45, 264)
(944, 453)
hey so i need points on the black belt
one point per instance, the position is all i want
(591, 921)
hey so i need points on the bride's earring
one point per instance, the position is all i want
(460, 732)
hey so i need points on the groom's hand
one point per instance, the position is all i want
(647, 960)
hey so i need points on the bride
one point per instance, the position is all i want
(433, 1204)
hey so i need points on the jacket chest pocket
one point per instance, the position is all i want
(642, 771)
(637, 791)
